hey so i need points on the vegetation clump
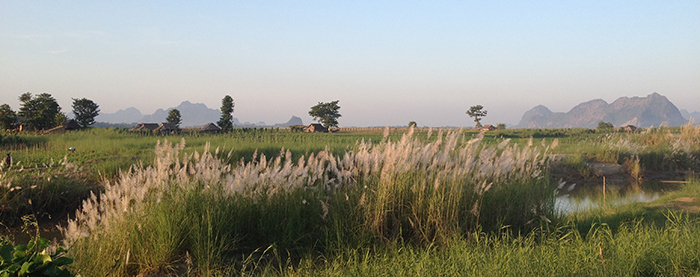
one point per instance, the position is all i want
(85, 111)
(36, 258)
(196, 206)
(326, 113)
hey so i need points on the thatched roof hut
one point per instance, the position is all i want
(316, 127)
(145, 127)
(71, 125)
(209, 128)
(167, 128)
(56, 130)
(629, 128)
(487, 128)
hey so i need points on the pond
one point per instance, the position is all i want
(572, 198)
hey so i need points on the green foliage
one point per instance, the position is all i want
(201, 208)
(174, 117)
(226, 120)
(412, 124)
(605, 126)
(60, 119)
(636, 249)
(477, 112)
(31, 259)
(85, 111)
(7, 117)
(326, 113)
(501, 126)
(393, 222)
(39, 112)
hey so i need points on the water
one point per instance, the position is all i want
(590, 196)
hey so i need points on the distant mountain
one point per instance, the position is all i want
(128, 115)
(196, 114)
(292, 121)
(653, 110)
(193, 115)
(695, 116)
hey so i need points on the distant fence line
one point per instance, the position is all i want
(391, 129)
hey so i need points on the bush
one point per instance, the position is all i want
(31, 259)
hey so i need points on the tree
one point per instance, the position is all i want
(85, 111)
(604, 126)
(412, 124)
(226, 120)
(477, 112)
(326, 113)
(39, 112)
(501, 126)
(174, 117)
(59, 119)
(7, 117)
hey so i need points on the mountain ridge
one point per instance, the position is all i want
(193, 115)
(652, 110)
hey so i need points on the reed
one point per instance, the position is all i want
(195, 210)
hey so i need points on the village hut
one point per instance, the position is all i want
(209, 128)
(167, 129)
(145, 127)
(71, 125)
(19, 125)
(629, 128)
(297, 128)
(56, 130)
(487, 128)
(316, 128)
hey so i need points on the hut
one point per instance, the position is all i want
(297, 128)
(209, 128)
(629, 128)
(167, 129)
(56, 130)
(19, 125)
(71, 125)
(315, 128)
(487, 128)
(145, 127)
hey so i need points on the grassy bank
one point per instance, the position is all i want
(281, 203)
(194, 211)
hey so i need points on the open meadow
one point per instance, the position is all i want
(376, 202)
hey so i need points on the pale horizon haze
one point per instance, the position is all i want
(388, 62)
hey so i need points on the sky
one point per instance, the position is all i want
(387, 62)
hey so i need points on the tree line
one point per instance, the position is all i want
(42, 112)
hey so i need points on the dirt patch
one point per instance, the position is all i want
(684, 204)
(685, 199)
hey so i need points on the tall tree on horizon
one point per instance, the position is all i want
(226, 120)
(174, 117)
(7, 117)
(477, 112)
(85, 111)
(39, 112)
(326, 113)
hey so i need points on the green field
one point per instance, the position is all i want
(358, 202)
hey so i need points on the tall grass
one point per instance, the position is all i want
(635, 249)
(195, 211)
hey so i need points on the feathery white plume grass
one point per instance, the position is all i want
(418, 191)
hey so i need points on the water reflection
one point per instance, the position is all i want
(590, 196)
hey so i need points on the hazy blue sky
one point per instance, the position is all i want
(388, 62)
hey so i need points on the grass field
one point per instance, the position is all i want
(360, 202)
